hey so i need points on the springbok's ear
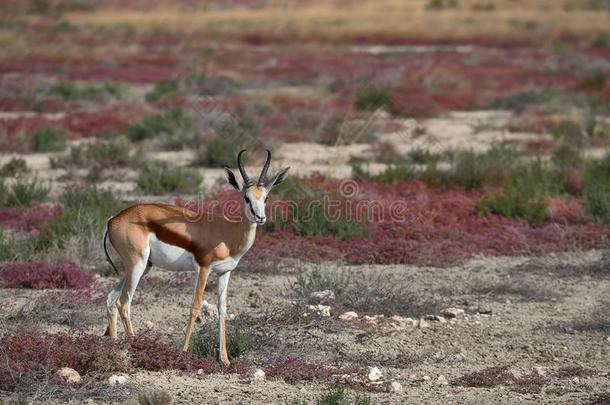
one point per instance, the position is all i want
(278, 179)
(232, 179)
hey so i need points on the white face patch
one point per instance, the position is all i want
(170, 257)
(255, 207)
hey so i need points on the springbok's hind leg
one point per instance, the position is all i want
(132, 278)
(111, 309)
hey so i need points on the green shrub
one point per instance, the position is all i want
(175, 87)
(72, 91)
(14, 248)
(102, 153)
(601, 40)
(86, 211)
(241, 132)
(49, 139)
(166, 123)
(220, 152)
(442, 4)
(595, 82)
(513, 203)
(524, 196)
(520, 101)
(390, 174)
(205, 343)
(567, 155)
(372, 99)
(569, 132)
(339, 396)
(596, 189)
(14, 167)
(310, 218)
(22, 192)
(159, 179)
(471, 170)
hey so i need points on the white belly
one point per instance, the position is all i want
(170, 257)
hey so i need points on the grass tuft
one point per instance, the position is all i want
(205, 344)
(22, 192)
(49, 139)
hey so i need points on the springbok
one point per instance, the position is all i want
(178, 239)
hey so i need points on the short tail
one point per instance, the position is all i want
(108, 259)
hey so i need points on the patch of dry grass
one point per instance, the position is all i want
(334, 21)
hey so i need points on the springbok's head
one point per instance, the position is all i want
(255, 195)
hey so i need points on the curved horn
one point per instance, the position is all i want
(240, 166)
(263, 176)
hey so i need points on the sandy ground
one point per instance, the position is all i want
(521, 312)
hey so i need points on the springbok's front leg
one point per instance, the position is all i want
(202, 279)
(223, 281)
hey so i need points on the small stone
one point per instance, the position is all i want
(258, 375)
(348, 316)
(396, 387)
(456, 313)
(374, 374)
(322, 297)
(423, 324)
(69, 375)
(442, 380)
(200, 371)
(149, 324)
(541, 371)
(426, 379)
(116, 379)
(321, 310)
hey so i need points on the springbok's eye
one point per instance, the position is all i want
(247, 200)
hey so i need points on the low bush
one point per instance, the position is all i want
(596, 189)
(492, 168)
(102, 153)
(442, 4)
(240, 132)
(41, 276)
(49, 139)
(524, 196)
(34, 356)
(175, 87)
(312, 218)
(159, 179)
(72, 91)
(22, 193)
(86, 211)
(167, 123)
(28, 218)
(14, 167)
(294, 370)
(520, 101)
(15, 248)
(372, 99)
(502, 376)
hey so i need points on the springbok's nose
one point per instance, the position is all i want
(259, 218)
